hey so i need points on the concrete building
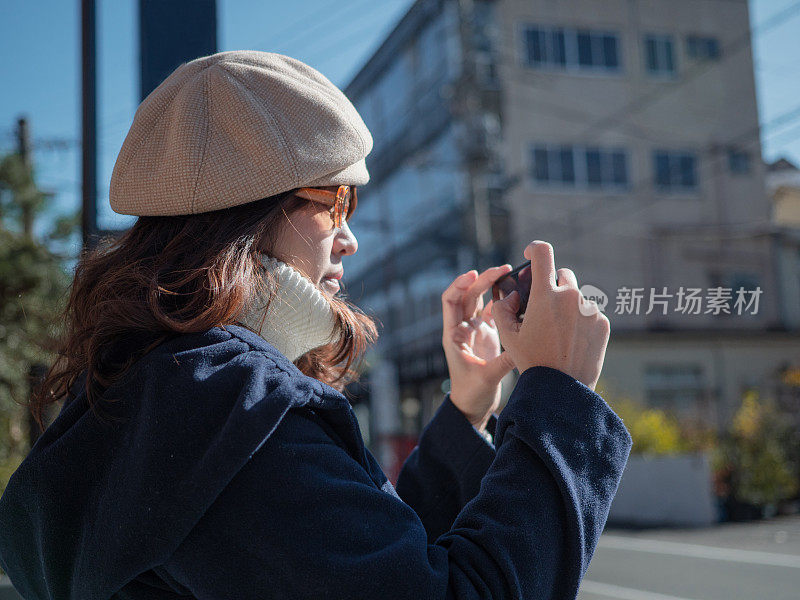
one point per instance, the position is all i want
(783, 187)
(625, 133)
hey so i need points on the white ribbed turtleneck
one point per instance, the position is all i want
(300, 317)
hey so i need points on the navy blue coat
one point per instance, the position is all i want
(224, 472)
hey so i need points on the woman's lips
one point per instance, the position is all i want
(331, 282)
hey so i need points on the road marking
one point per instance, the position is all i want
(773, 559)
(623, 593)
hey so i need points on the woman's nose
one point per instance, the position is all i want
(346, 241)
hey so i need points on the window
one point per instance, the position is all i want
(619, 168)
(567, 163)
(569, 49)
(541, 167)
(748, 281)
(659, 54)
(553, 164)
(606, 167)
(574, 166)
(675, 171)
(702, 48)
(545, 47)
(738, 161)
(678, 388)
(594, 168)
(730, 284)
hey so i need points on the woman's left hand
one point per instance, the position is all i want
(472, 345)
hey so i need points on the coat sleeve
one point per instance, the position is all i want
(304, 519)
(445, 469)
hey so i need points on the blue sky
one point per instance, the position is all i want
(40, 70)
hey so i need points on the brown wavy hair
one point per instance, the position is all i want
(169, 275)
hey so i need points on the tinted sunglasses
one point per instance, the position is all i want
(343, 201)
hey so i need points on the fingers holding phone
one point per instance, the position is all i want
(473, 296)
(543, 266)
(555, 330)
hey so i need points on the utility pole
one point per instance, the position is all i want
(171, 33)
(478, 109)
(89, 124)
(36, 371)
(24, 151)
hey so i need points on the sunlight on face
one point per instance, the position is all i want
(310, 243)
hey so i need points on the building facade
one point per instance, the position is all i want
(624, 132)
(783, 188)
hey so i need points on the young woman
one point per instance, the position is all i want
(204, 448)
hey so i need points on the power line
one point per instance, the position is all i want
(650, 199)
(640, 103)
(639, 189)
(695, 70)
(329, 57)
(621, 117)
(793, 136)
(735, 141)
(570, 114)
(124, 117)
(713, 150)
(367, 26)
(640, 131)
(305, 33)
(55, 144)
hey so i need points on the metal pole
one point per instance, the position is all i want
(89, 124)
(470, 109)
(24, 151)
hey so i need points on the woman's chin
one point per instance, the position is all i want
(331, 286)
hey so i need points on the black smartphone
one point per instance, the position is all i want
(518, 279)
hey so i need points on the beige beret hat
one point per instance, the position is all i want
(235, 127)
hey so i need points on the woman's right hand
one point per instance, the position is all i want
(560, 328)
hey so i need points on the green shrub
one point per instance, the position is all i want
(752, 461)
(33, 286)
(656, 432)
(7, 468)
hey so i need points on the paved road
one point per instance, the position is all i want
(734, 561)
